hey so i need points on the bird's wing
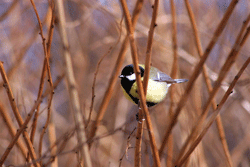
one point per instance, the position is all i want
(159, 76)
(162, 77)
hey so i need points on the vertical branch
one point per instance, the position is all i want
(142, 97)
(145, 83)
(47, 69)
(115, 73)
(18, 118)
(197, 71)
(51, 125)
(149, 46)
(41, 30)
(215, 113)
(73, 93)
(173, 75)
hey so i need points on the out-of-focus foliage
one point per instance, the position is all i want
(93, 27)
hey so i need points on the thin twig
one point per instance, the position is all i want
(215, 114)
(51, 125)
(149, 46)
(128, 146)
(142, 97)
(197, 71)
(45, 69)
(34, 124)
(47, 66)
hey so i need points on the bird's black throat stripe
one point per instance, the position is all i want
(127, 85)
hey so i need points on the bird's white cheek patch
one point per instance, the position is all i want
(131, 77)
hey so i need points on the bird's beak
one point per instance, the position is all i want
(121, 76)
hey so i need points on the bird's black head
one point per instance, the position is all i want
(128, 73)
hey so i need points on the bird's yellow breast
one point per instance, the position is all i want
(156, 91)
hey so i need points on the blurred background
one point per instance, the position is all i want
(93, 27)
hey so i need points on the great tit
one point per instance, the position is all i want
(158, 84)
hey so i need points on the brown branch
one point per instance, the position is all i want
(18, 118)
(12, 130)
(47, 66)
(173, 75)
(215, 114)
(113, 79)
(197, 71)
(34, 124)
(128, 146)
(51, 126)
(149, 46)
(145, 84)
(41, 32)
(45, 69)
(142, 97)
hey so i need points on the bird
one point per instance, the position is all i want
(158, 84)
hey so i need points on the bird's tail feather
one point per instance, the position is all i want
(180, 80)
